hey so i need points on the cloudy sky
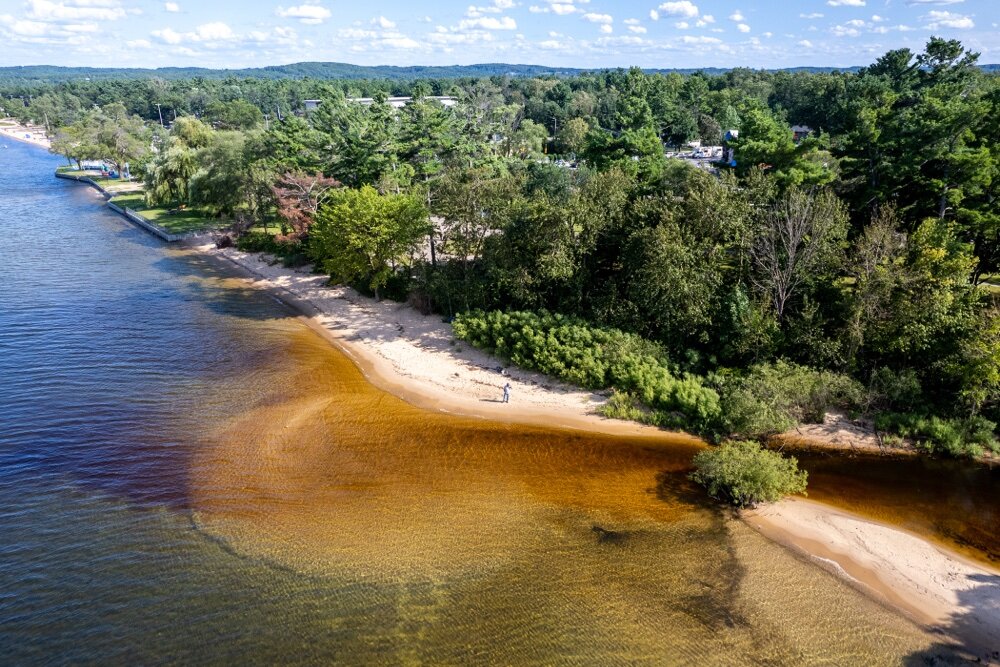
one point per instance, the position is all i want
(579, 33)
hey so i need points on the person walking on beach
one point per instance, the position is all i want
(506, 393)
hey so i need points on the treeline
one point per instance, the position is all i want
(856, 255)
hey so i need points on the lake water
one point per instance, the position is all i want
(189, 474)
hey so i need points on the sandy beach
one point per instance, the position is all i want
(9, 129)
(416, 357)
(936, 587)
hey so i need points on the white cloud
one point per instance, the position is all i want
(74, 10)
(138, 44)
(212, 34)
(743, 27)
(684, 8)
(846, 3)
(383, 23)
(806, 43)
(813, 15)
(682, 25)
(691, 39)
(940, 19)
(559, 7)
(653, 14)
(171, 7)
(607, 28)
(169, 36)
(598, 18)
(489, 23)
(310, 13)
(737, 16)
(637, 29)
(844, 31)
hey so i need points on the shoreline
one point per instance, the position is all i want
(17, 131)
(410, 355)
(940, 589)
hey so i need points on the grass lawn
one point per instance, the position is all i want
(180, 222)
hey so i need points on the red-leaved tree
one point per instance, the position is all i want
(299, 196)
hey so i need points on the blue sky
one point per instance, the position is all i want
(578, 33)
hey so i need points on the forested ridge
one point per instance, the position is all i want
(846, 266)
(48, 74)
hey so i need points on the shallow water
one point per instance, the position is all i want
(190, 474)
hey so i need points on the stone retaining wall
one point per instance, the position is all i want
(129, 214)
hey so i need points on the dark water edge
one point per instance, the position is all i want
(147, 516)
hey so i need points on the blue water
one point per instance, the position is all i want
(114, 353)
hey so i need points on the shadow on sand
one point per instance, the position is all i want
(974, 633)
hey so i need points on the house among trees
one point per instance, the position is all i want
(800, 132)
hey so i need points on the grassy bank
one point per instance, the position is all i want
(175, 221)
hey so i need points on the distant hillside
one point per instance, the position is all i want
(319, 70)
(315, 70)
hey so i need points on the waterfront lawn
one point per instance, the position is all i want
(178, 222)
(113, 185)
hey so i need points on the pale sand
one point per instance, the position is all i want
(417, 357)
(30, 135)
(414, 356)
(936, 587)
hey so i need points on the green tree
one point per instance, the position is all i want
(234, 115)
(168, 174)
(360, 142)
(121, 138)
(572, 136)
(768, 143)
(360, 234)
(222, 181)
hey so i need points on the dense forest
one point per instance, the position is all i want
(847, 265)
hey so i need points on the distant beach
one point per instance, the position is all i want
(32, 135)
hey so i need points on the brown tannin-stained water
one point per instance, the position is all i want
(190, 474)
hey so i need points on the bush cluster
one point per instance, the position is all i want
(595, 358)
(291, 253)
(773, 398)
(745, 473)
(958, 437)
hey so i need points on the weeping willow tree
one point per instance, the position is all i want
(168, 175)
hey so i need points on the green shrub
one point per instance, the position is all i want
(744, 473)
(969, 437)
(596, 358)
(291, 253)
(258, 242)
(773, 398)
(623, 405)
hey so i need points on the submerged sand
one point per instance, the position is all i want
(416, 357)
